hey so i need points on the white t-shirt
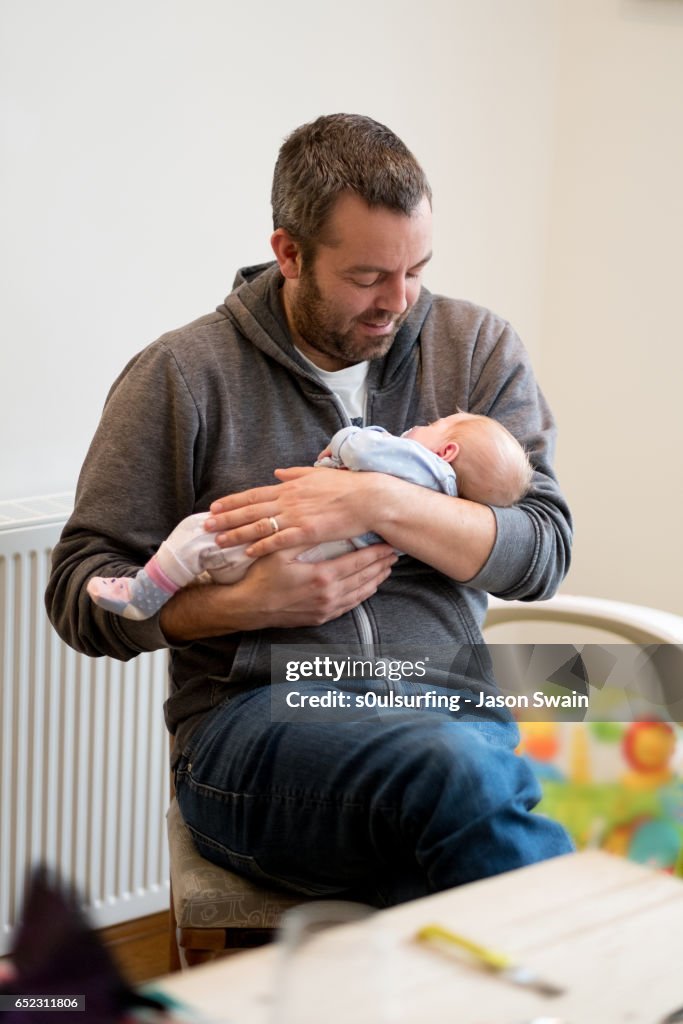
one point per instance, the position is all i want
(350, 385)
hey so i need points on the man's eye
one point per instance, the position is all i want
(364, 283)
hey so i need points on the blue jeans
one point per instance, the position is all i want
(380, 807)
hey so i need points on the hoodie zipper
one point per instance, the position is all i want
(360, 616)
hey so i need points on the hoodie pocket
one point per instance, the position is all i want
(250, 667)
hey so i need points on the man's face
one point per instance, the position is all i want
(349, 302)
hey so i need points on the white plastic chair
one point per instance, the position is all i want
(632, 622)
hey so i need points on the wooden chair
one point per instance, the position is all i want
(213, 911)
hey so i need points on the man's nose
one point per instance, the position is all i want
(392, 296)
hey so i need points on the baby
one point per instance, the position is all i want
(492, 468)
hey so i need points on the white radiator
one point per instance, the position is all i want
(84, 775)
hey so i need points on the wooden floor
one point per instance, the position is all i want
(140, 947)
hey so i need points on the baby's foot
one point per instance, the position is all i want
(115, 594)
(133, 597)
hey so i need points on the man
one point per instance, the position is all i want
(339, 329)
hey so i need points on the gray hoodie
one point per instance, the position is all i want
(214, 407)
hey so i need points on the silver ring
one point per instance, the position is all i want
(274, 523)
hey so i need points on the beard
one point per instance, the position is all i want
(334, 334)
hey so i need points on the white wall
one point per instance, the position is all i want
(612, 346)
(142, 137)
(135, 178)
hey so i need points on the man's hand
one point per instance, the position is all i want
(311, 505)
(278, 591)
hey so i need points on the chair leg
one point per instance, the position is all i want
(201, 945)
(174, 958)
(248, 938)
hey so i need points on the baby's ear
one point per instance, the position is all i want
(449, 451)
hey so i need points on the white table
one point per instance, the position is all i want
(608, 931)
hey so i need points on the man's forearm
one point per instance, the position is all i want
(453, 535)
(312, 506)
(198, 613)
(278, 591)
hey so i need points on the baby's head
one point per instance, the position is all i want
(491, 465)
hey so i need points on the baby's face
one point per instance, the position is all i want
(436, 435)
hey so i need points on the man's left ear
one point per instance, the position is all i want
(287, 252)
(449, 451)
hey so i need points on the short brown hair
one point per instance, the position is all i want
(339, 153)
